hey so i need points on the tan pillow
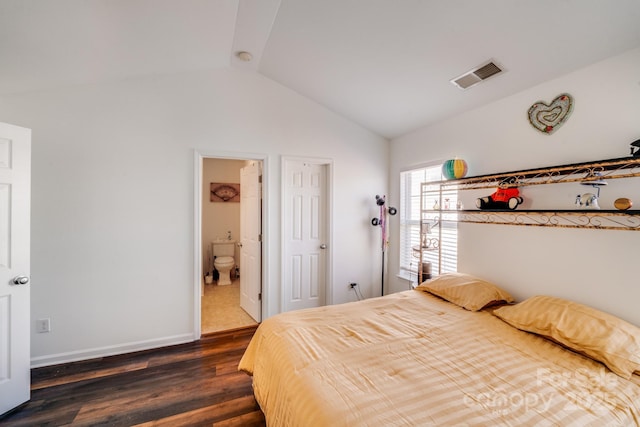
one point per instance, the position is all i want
(465, 290)
(599, 335)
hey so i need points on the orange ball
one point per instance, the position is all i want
(623, 203)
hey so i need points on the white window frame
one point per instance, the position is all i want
(409, 213)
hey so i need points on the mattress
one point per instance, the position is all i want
(412, 359)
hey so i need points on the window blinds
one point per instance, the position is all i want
(410, 225)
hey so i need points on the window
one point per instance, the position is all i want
(410, 225)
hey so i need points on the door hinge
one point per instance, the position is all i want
(259, 237)
(260, 296)
(260, 179)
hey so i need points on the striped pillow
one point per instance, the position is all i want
(465, 290)
(596, 334)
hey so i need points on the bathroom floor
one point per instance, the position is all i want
(221, 308)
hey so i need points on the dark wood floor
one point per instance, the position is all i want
(193, 384)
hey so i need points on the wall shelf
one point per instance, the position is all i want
(625, 167)
(589, 219)
(446, 194)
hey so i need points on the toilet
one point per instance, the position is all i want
(223, 252)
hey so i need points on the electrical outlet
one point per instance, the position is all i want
(352, 285)
(43, 325)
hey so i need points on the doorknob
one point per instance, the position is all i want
(323, 246)
(20, 280)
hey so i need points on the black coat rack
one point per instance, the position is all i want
(381, 221)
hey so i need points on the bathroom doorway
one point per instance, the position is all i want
(224, 213)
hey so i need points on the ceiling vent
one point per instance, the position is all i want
(477, 75)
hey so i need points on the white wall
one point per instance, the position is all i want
(112, 200)
(595, 267)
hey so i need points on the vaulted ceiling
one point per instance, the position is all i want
(384, 64)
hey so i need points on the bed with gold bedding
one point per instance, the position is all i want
(414, 359)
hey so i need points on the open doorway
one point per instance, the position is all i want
(229, 243)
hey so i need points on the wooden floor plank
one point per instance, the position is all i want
(189, 384)
(208, 415)
(140, 402)
(80, 376)
(252, 419)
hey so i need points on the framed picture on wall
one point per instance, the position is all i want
(224, 192)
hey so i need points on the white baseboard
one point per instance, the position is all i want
(93, 353)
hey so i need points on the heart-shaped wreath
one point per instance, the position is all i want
(548, 118)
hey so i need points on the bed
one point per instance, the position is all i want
(416, 359)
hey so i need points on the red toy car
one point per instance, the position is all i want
(503, 198)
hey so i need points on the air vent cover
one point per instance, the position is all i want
(477, 75)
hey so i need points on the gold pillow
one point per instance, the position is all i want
(465, 290)
(599, 335)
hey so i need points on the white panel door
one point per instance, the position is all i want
(15, 198)
(305, 234)
(250, 240)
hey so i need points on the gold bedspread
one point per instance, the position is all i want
(411, 359)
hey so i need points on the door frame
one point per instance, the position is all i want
(199, 156)
(328, 164)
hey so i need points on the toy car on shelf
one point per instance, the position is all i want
(502, 198)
